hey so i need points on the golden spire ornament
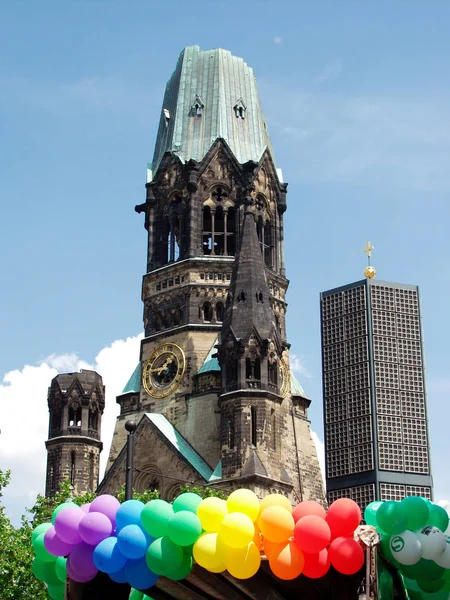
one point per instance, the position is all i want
(369, 271)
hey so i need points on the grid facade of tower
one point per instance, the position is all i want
(375, 414)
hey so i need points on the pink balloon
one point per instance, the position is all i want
(94, 527)
(66, 524)
(106, 504)
(85, 507)
(54, 544)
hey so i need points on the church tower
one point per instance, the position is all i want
(75, 402)
(216, 277)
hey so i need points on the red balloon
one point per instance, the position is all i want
(316, 565)
(346, 555)
(308, 507)
(343, 517)
(312, 534)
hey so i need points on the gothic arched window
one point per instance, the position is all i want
(74, 415)
(219, 311)
(207, 230)
(207, 311)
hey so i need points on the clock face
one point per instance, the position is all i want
(285, 379)
(163, 370)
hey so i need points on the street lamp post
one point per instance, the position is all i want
(130, 426)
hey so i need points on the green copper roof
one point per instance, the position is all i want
(296, 388)
(211, 94)
(217, 474)
(134, 383)
(210, 363)
(174, 437)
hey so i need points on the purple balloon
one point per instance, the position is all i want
(85, 507)
(106, 504)
(81, 559)
(107, 556)
(94, 527)
(66, 524)
(54, 544)
(80, 577)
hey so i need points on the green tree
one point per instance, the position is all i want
(17, 581)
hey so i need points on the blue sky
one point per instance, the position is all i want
(357, 98)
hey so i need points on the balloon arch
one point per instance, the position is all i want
(135, 543)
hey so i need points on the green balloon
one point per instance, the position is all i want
(37, 566)
(386, 550)
(183, 570)
(51, 578)
(430, 586)
(163, 556)
(136, 595)
(57, 592)
(155, 517)
(370, 513)
(438, 517)
(41, 551)
(424, 569)
(392, 517)
(411, 584)
(60, 508)
(188, 549)
(184, 528)
(61, 568)
(418, 512)
(42, 528)
(188, 501)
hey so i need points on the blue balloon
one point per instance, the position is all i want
(129, 513)
(139, 575)
(107, 556)
(119, 576)
(133, 541)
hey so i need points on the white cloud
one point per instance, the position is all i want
(298, 366)
(320, 448)
(332, 70)
(24, 415)
(277, 39)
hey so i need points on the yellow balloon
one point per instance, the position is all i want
(237, 530)
(244, 501)
(208, 553)
(275, 500)
(243, 563)
(211, 512)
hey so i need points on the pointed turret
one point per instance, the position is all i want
(248, 307)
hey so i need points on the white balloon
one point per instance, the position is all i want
(444, 559)
(433, 542)
(406, 548)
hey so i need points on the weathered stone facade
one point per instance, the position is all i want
(76, 402)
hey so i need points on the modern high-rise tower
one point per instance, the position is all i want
(213, 393)
(374, 393)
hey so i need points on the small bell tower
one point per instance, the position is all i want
(76, 402)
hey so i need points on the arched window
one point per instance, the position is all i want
(74, 415)
(72, 468)
(177, 317)
(264, 230)
(91, 471)
(219, 311)
(207, 311)
(93, 419)
(219, 232)
(167, 319)
(248, 369)
(273, 373)
(207, 230)
(230, 234)
(231, 373)
(253, 425)
(158, 321)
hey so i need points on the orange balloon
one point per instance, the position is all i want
(288, 563)
(270, 547)
(275, 500)
(308, 507)
(276, 524)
